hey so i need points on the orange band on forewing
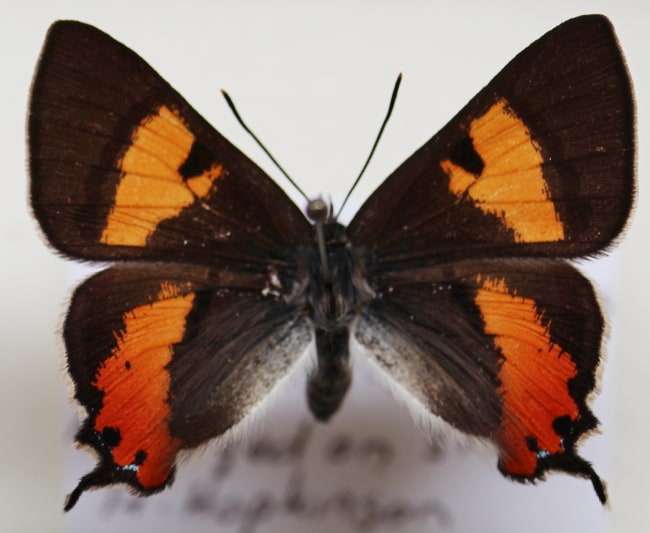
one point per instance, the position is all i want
(534, 376)
(511, 185)
(151, 188)
(135, 383)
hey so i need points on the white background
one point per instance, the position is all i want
(313, 79)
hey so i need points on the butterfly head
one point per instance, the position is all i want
(319, 211)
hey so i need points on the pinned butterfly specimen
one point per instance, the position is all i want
(453, 275)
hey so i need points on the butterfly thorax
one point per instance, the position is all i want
(330, 290)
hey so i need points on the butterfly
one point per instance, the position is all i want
(453, 275)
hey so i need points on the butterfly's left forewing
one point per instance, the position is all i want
(124, 169)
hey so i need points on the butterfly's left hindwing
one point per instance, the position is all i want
(167, 359)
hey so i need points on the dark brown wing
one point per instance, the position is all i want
(539, 163)
(502, 349)
(165, 359)
(123, 168)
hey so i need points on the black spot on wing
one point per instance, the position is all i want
(465, 156)
(198, 161)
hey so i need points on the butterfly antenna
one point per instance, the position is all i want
(391, 105)
(231, 104)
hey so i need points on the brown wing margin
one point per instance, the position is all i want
(123, 168)
(539, 163)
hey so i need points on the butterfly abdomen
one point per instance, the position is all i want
(331, 378)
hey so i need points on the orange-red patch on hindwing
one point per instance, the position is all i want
(135, 383)
(151, 187)
(534, 375)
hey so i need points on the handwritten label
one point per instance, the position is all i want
(293, 492)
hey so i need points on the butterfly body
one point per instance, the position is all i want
(452, 276)
(333, 295)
